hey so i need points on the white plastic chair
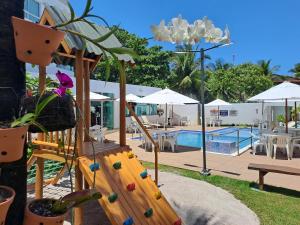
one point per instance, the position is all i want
(260, 145)
(97, 132)
(281, 142)
(170, 141)
(295, 145)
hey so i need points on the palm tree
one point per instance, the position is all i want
(185, 72)
(296, 70)
(219, 64)
(266, 68)
(12, 91)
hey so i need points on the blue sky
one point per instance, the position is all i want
(260, 29)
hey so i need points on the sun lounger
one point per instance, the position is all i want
(146, 122)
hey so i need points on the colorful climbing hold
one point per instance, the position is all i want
(144, 174)
(178, 222)
(112, 197)
(148, 213)
(117, 165)
(128, 221)
(131, 187)
(130, 155)
(94, 167)
(157, 195)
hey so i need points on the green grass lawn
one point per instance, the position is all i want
(274, 206)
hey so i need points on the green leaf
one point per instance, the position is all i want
(87, 8)
(71, 11)
(44, 103)
(92, 25)
(98, 17)
(106, 36)
(107, 70)
(122, 50)
(40, 126)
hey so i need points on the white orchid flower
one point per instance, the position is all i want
(180, 31)
(161, 32)
(226, 39)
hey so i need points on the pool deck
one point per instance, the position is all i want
(229, 166)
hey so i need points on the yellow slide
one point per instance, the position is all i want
(129, 195)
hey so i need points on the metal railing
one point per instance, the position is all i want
(238, 137)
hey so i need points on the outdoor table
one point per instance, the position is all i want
(162, 135)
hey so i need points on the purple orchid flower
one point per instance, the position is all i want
(65, 83)
(61, 91)
(64, 79)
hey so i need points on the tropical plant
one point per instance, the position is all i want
(185, 71)
(280, 118)
(296, 70)
(151, 67)
(267, 69)
(219, 64)
(238, 83)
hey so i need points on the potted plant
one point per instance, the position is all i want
(281, 120)
(7, 196)
(58, 114)
(53, 212)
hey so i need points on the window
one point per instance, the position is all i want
(32, 10)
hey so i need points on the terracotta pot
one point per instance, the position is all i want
(35, 43)
(4, 206)
(12, 143)
(34, 219)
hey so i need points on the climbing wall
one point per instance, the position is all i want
(129, 194)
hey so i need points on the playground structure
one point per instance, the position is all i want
(129, 194)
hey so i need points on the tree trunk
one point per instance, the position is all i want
(12, 90)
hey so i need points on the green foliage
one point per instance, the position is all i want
(296, 70)
(238, 83)
(152, 65)
(265, 66)
(32, 84)
(280, 118)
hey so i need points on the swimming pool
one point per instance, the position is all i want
(222, 141)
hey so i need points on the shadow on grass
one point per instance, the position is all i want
(277, 190)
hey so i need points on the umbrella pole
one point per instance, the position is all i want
(166, 117)
(296, 116)
(286, 116)
(218, 112)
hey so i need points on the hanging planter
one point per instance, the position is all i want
(35, 43)
(12, 143)
(7, 196)
(58, 115)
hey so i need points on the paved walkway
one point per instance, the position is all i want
(230, 166)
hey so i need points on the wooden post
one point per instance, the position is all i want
(122, 105)
(286, 116)
(78, 218)
(296, 115)
(87, 102)
(39, 176)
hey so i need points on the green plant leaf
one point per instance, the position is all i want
(98, 17)
(122, 50)
(107, 70)
(106, 36)
(71, 11)
(40, 126)
(87, 8)
(44, 103)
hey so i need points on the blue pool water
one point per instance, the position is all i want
(218, 140)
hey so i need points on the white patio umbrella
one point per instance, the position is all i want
(131, 98)
(218, 103)
(285, 91)
(167, 97)
(95, 97)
